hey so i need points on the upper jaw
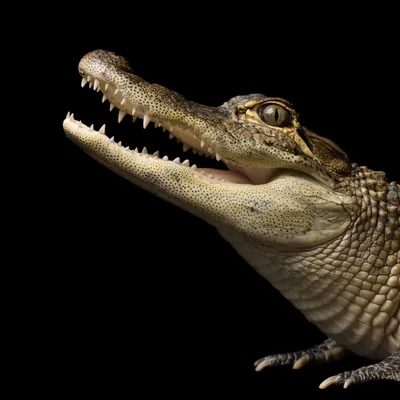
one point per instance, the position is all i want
(152, 103)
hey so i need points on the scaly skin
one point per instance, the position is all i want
(325, 232)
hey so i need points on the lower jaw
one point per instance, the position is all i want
(219, 176)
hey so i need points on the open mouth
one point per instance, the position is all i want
(195, 153)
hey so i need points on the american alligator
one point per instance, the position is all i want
(323, 230)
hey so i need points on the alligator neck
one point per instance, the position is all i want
(350, 286)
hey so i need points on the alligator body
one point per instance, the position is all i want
(324, 231)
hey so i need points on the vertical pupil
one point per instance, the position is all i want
(276, 115)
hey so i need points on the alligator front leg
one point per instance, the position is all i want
(326, 351)
(388, 369)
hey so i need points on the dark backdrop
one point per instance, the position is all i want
(156, 300)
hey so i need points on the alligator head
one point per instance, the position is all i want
(279, 185)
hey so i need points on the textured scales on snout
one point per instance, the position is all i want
(323, 230)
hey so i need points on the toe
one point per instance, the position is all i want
(265, 362)
(333, 380)
(301, 362)
(348, 382)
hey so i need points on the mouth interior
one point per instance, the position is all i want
(168, 142)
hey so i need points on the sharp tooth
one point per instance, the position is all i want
(171, 136)
(185, 147)
(202, 144)
(90, 85)
(186, 163)
(112, 106)
(72, 116)
(121, 115)
(163, 129)
(177, 160)
(98, 89)
(144, 151)
(156, 154)
(218, 157)
(84, 82)
(210, 150)
(112, 139)
(165, 158)
(103, 129)
(171, 129)
(89, 78)
(119, 143)
(91, 127)
(123, 101)
(146, 120)
(106, 87)
(104, 98)
(127, 148)
(194, 151)
(116, 91)
(194, 166)
(133, 111)
(68, 115)
(134, 119)
(136, 150)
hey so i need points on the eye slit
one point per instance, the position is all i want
(275, 115)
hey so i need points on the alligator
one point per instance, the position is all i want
(320, 228)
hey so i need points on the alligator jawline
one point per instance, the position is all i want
(237, 173)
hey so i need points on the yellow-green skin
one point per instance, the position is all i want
(323, 231)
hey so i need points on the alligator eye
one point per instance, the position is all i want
(275, 115)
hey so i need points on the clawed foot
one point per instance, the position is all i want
(345, 379)
(327, 351)
(388, 369)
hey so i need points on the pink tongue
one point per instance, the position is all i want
(229, 176)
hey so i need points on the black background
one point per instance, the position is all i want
(157, 302)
